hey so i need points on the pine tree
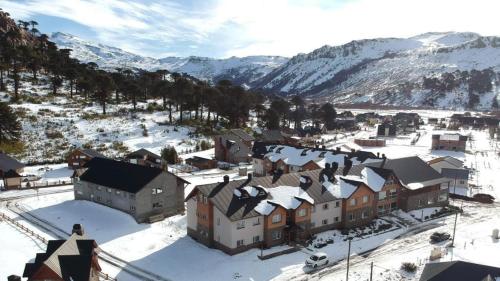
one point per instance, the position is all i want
(10, 128)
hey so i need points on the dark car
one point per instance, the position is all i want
(484, 198)
(320, 244)
(437, 237)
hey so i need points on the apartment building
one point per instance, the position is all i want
(234, 216)
(269, 158)
(146, 193)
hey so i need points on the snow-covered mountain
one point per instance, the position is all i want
(241, 71)
(392, 71)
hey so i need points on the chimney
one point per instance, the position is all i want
(316, 146)
(335, 166)
(249, 176)
(226, 178)
(78, 229)
(347, 167)
(14, 278)
(353, 150)
(378, 154)
(337, 148)
(323, 147)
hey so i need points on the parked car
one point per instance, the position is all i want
(317, 259)
(320, 244)
(437, 237)
(484, 198)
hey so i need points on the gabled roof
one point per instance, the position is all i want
(452, 160)
(222, 194)
(458, 270)
(91, 152)
(459, 174)
(8, 163)
(198, 159)
(238, 134)
(412, 171)
(70, 259)
(120, 175)
(450, 137)
(143, 152)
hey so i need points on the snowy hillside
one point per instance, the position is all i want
(390, 71)
(240, 70)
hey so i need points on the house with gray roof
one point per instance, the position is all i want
(10, 170)
(422, 186)
(78, 157)
(146, 193)
(454, 170)
(233, 146)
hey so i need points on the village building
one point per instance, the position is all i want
(146, 193)
(146, 158)
(386, 130)
(453, 142)
(201, 162)
(453, 169)
(234, 216)
(234, 146)
(80, 156)
(10, 171)
(370, 142)
(269, 158)
(286, 137)
(65, 260)
(421, 185)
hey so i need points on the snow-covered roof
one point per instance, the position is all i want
(289, 197)
(300, 156)
(341, 188)
(372, 179)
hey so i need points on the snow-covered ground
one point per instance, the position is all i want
(165, 249)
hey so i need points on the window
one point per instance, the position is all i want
(394, 206)
(302, 212)
(257, 221)
(420, 203)
(276, 218)
(430, 200)
(462, 182)
(240, 243)
(351, 217)
(313, 224)
(218, 221)
(117, 192)
(382, 195)
(324, 222)
(352, 202)
(98, 198)
(325, 206)
(157, 205)
(365, 199)
(336, 219)
(443, 197)
(157, 191)
(205, 200)
(132, 208)
(109, 190)
(394, 193)
(337, 204)
(256, 238)
(381, 209)
(313, 209)
(365, 214)
(276, 235)
(240, 225)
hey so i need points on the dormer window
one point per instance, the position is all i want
(322, 154)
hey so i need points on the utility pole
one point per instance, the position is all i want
(348, 258)
(371, 271)
(455, 227)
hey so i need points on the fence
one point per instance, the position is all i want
(104, 276)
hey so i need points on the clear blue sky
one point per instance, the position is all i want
(223, 28)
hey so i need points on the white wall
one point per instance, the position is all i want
(320, 214)
(228, 233)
